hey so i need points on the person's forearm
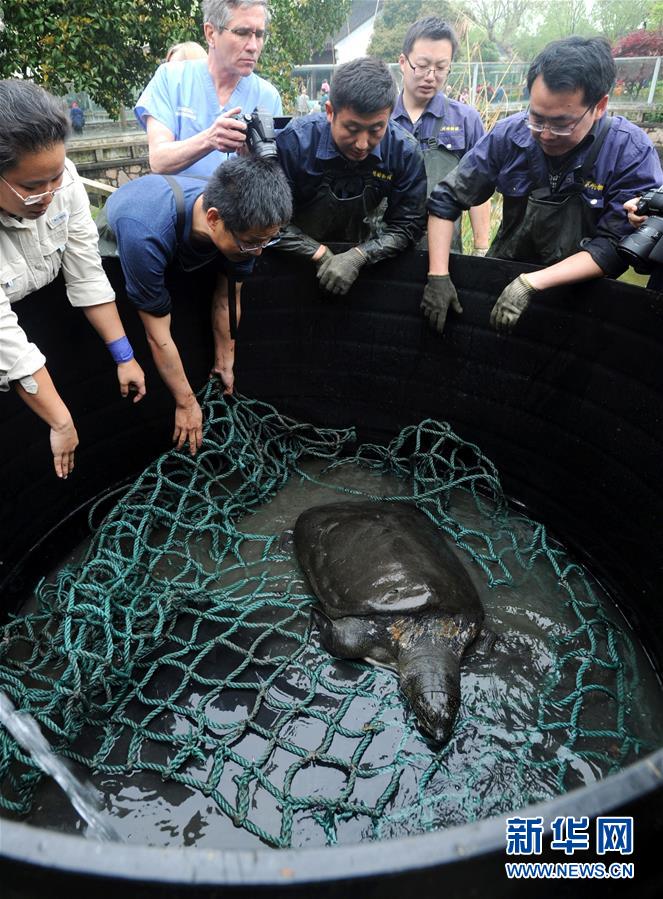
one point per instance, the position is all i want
(167, 358)
(169, 157)
(440, 234)
(46, 402)
(105, 319)
(294, 240)
(480, 221)
(579, 267)
(319, 253)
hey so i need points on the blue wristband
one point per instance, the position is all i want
(120, 350)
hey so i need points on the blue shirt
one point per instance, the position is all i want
(143, 216)
(394, 170)
(507, 157)
(459, 131)
(182, 96)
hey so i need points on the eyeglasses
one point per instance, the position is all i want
(557, 130)
(260, 34)
(33, 199)
(245, 248)
(422, 71)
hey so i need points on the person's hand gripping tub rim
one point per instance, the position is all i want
(337, 273)
(440, 292)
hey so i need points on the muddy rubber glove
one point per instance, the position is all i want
(511, 304)
(340, 273)
(439, 294)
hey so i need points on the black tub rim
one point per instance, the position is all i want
(76, 855)
(599, 312)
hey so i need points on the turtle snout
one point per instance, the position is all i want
(436, 712)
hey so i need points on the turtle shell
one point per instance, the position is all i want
(368, 558)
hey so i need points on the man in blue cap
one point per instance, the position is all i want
(564, 170)
(162, 223)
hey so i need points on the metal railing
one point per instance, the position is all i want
(639, 85)
(638, 81)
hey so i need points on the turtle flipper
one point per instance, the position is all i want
(286, 542)
(345, 638)
(484, 643)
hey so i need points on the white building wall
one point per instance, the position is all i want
(356, 43)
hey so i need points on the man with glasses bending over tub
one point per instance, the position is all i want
(165, 221)
(188, 108)
(564, 169)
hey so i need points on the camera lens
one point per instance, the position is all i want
(635, 248)
(260, 135)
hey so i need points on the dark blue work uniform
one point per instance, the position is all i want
(446, 130)
(337, 199)
(554, 208)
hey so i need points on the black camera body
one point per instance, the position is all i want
(260, 134)
(644, 248)
(651, 203)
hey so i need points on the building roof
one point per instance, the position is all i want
(360, 12)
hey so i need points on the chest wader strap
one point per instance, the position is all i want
(180, 221)
(176, 188)
(431, 143)
(588, 165)
(179, 234)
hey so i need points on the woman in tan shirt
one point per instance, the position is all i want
(45, 226)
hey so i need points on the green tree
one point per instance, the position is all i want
(112, 47)
(109, 48)
(394, 20)
(556, 19)
(615, 18)
(299, 28)
(501, 19)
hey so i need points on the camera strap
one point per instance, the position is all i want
(180, 223)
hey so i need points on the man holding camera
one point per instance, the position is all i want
(225, 222)
(564, 170)
(344, 166)
(189, 108)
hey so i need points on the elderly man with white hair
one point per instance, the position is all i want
(188, 108)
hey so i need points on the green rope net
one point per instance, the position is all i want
(181, 645)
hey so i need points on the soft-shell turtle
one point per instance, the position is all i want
(393, 591)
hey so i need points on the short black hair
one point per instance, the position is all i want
(431, 28)
(249, 194)
(365, 85)
(576, 63)
(32, 120)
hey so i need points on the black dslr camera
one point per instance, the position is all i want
(644, 248)
(260, 136)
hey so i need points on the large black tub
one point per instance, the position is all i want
(570, 408)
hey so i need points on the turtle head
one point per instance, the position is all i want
(431, 683)
(436, 713)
